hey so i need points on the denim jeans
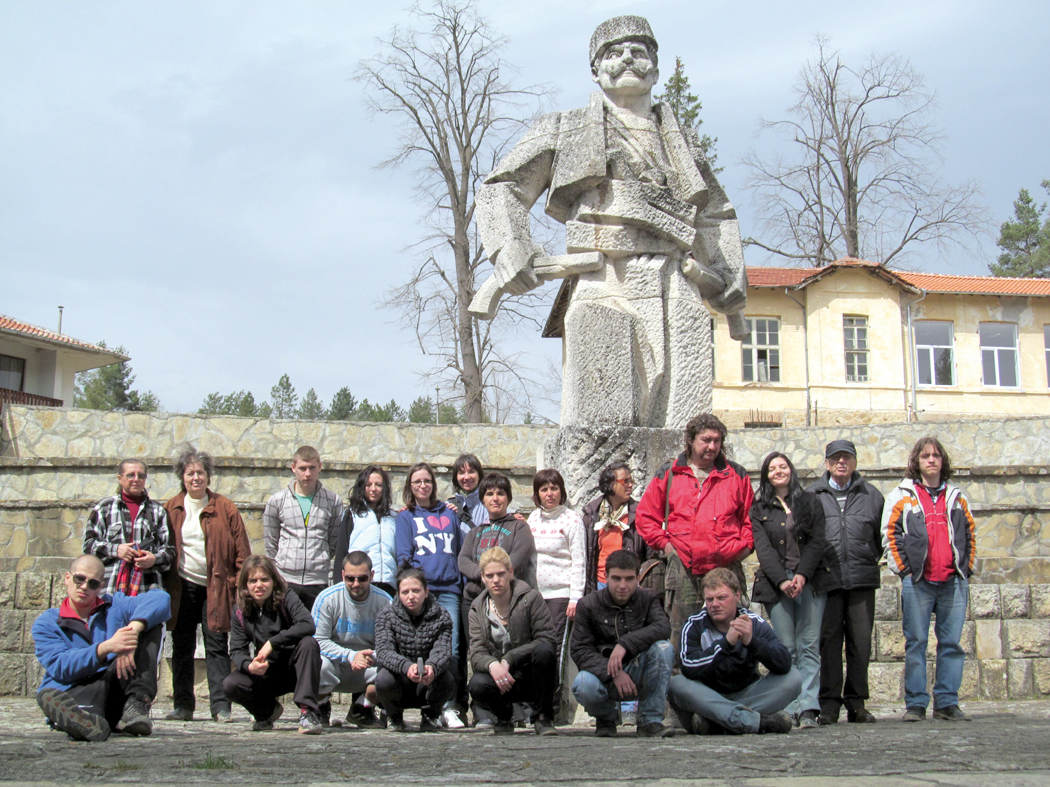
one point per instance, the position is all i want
(651, 673)
(738, 712)
(450, 602)
(797, 623)
(919, 601)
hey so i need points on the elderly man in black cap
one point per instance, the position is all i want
(853, 517)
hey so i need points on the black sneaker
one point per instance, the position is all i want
(65, 714)
(604, 729)
(545, 726)
(397, 723)
(430, 723)
(861, 716)
(361, 716)
(324, 713)
(262, 725)
(914, 713)
(654, 729)
(135, 720)
(503, 727)
(950, 713)
(779, 722)
(309, 722)
(180, 714)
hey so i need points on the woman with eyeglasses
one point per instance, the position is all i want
(428, 537)
(609, 523)
(367, 524)
(210, 546)
(788, 527)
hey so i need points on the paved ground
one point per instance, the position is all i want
(1006, 744)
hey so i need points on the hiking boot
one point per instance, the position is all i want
(604, 729)
(180, 714)
(861, 716)
(135, 720)
(545, 726)
(223, 716)
(654, 729)
(430, 723)
(360, 716)
(66, 715)
(779, 722)
(914, 714)
(309, 722)
(396, 723)
(503, 727)
(950, 713)
(807, 720)
(262, 725)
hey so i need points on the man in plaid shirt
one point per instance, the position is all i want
(130, 534)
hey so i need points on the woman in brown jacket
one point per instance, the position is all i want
(210, 546)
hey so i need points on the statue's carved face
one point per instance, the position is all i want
(626, 69)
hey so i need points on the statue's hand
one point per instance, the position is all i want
(513, 275)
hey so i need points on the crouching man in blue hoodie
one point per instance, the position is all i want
(99, 654)
(720, 686)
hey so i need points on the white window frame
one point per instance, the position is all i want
(930, 350)
(997, 353)
(755, 351)
(856, 347)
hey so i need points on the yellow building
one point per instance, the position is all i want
(855, 342)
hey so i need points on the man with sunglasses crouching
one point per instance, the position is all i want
(99, 653)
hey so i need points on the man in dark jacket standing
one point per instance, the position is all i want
(722, 646)
(853, 520)
(619, 644)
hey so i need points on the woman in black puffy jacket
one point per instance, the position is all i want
(788, 527)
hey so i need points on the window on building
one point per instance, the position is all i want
(12, 373)
(855, 339)
(934, 352)
(761, 352)
(999, 354)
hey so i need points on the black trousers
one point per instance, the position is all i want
(297, 670)
(193, 612)
(535, 679)
(104, 694)
(848, 615)
(397, 692)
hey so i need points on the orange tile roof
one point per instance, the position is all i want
(10, 325)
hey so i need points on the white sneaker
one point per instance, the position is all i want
(452, 720)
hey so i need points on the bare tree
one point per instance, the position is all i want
(446, 84)
(860, 179)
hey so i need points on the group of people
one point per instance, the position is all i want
(396, 603)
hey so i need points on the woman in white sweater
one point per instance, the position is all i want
(561, 548)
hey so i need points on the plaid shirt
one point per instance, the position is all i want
(108, 527)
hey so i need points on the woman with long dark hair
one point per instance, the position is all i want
(788, 527)
(368, 525)
(414, 630)
(272, 620)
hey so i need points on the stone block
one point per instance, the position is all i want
(971, 680)
(7, 588)
(1040, 601)
(1015, 601)
(985, 602)
(1027, 638)
(968, 637)
(33, 591)
(34, 675)
(989, 639)
(1019, 675)
(28, 645)
(12, 630)
(886, 681)
(993, 679)
(1041, 676)
(887, 603)
(13, 674)
(889, 641)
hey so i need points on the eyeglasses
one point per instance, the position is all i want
(91, 582)
(356, 579)
(625, 481)
(133, 476)
(423, 482)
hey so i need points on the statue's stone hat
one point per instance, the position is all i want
(621, 28)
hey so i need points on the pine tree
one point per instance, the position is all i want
(421, 411)
(343, 406)
(1025, 241)
(311, 408)
(283, 399)
(686, 108)
(109, 388)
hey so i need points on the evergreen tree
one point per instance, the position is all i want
(109, 388)
(450, 414)
(686, 108)
(421, 411)
(283, 399)
(311, 408)
(1025, 241)
(343, 405)
(391, 412)
(241, 403)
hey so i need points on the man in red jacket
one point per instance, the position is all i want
(703, 521)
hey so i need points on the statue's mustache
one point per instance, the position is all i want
(638, 69)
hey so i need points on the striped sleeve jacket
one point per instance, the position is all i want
(707, 656)
(904, 537)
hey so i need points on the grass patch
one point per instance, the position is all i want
(212, 762)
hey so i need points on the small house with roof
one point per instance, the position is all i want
(855, 342)
(38, 366)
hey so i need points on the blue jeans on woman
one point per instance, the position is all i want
(920, 600)
(797, 623)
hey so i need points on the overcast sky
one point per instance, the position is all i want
(196, 181)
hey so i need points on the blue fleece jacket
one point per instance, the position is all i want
(68, 650)
(430, 539)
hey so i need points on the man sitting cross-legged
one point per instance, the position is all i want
(619, 644)
(722, 646)
(99, 654)
(345, 617)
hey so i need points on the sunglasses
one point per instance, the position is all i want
(91, 582)
(356, 579)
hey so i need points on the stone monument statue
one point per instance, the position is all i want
(649, 235)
